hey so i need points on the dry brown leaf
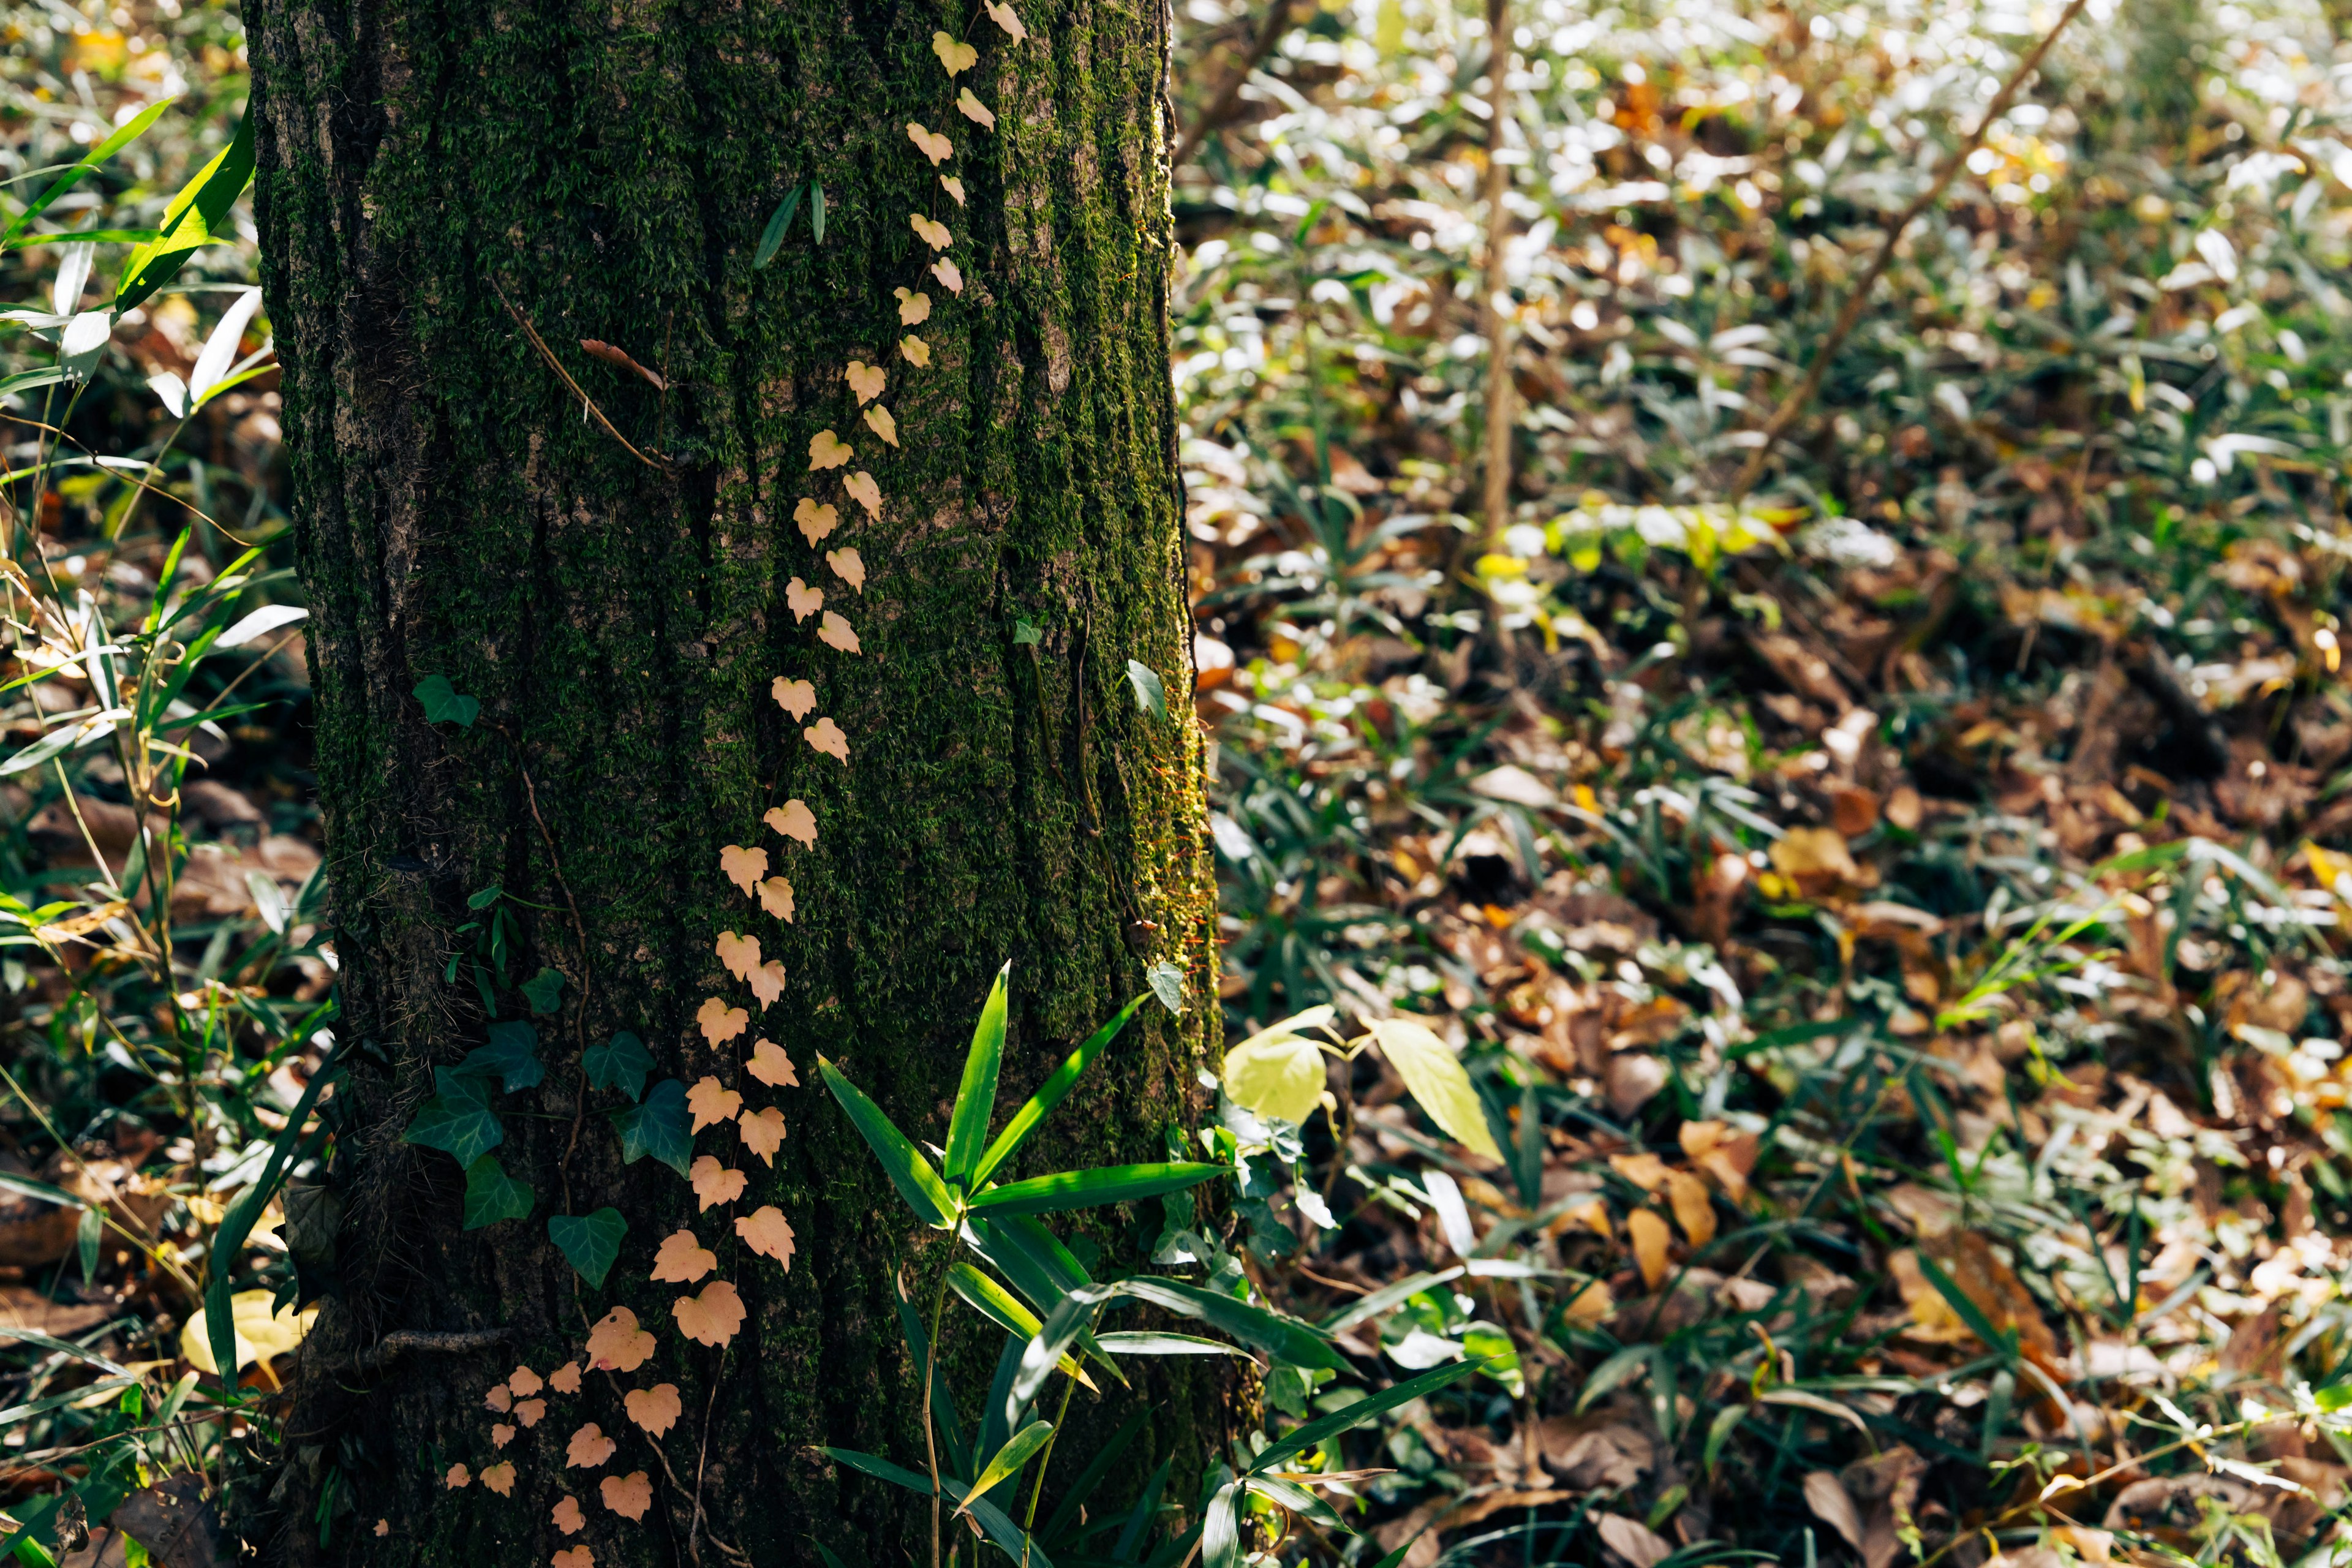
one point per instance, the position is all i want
(917, 350)
(711, 1318)
(589, 1448)
(953, 187)
(720, 1022)
(458, 1477)
(712, 1101)
(797, 698)
(1632, 1080)
(776, 898)
(763, 1132)
(567, 1515)
(816, 521)
(1815, 859)
(878, 420)
(934, 234)
(1651, 1238)
(850, 567)
(573, 1557)
(979, 113)
(951, 278)
(620, 357)
(1831, 1504)
(628, 1496)
(743, 866)
(656, 1409)
(502, 1435)
(827, 450)
(865, 492)
(914, 309)
(714, 1184)
(835, 633)
(766, 1231)
(772, 1067)
(1693, 1209)
(931, 144)
(565, 1379)
(866, 380)
(1645, 1171)
(741, 954)
(794, 819)
(1006, 17)
(528, 1411)
(525, 1382)
(616, 1343)
(681, 1259)
(828, 737)
(803, 600)
(1631, 1540)
(957, 58)
(499, 1478)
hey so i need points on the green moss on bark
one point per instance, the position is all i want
(608, 171)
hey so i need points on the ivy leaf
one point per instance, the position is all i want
(1167, 983)
(492, 1195)
(544, 990)
(621, 1062)
(591, 1242)
(511, 1056)
(657, 1127)
(1150, 695)
(444, 703)
(458, 1119)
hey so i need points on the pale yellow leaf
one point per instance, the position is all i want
(766, 1231)
(835, 633)
(567, 1515)
(500, 1435)
(953, 187)
(957, 58)
(767, 982)
(525, 1382)
(918, 352)
(776, 898)
(1693, 1210)
(816, 521)
(1275, 1074)
(741, 954)
(914, 309)
(794, 819)
(803, 600)
(1651, 1238)
(499, 1478)
(827, 450)
(950, 276)
(528, 1412)
(934, 234)
(976, 111)
(743, 866)
(565, 1379)
(865, 492)
(501, 1399)
(931, 144)
(458, 1477)
(878, 420)
(260, 1333)
(763, 1132)
(827, 737)
(866, 380)
(850, 567)
(1006, 17)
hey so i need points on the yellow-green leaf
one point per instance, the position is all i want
(1434, 1075)
(1278, 1072)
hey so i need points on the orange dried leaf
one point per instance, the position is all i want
(565, 1379)
(794, 819)
(957, 58)
(866, 381)
(865, 492)
(501, 1399)
(530, 1412)
(502, 1435)
(711, 1100)
(797, 698)
(772, 1067)
(976, 111)
(458, 1477)
(803, 600)
(1651, 1238)
(828, 737)
(525, 1382)
(768, 984)
(776, 898)
(499, 1479)
(741, 954)
(1693, 1210)
(628, 1496)
(766, 1232)
(951, 278)
(743, 866)
(720, 1022)
(681, 1259)
(616, 1343)
(850, 567)
(835, 633)
(567, 1515)
(656, 1409)
(931, 144)
(711, 1318)
(573, 1557)
(620, 357)
(763, 1132)
(914, 309)
(953, 187)
(917, 350)
(934, 234)
(815, 521)
(827, 450)
(877, 419)
(588, 1450)
(714, 1182)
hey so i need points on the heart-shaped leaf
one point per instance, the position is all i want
(458, 1119)
(511, 1056)
(1150, 695)
(492, 1195)
(657, 1127)
(591, 1242)
(621, 1062)
(544, 990)
(444, 703)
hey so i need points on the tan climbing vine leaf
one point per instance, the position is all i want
(835, 633)
(914, 309)
(934, 234)
(458, 1477)
(772, 1067)
(712, 1101)
(720, 1022)
(573, 1557)
(850, 567)
(767, 1232)
(656, 1409)
(797, 698)
(816, 521)
(866, 380)
(565, 1379)
(918, 352)
(930, 143)
(794, 819)
(829, 738)
(743, 866)
(501, 1399)
(865, 492)
(714, 1184)
(776, 898)
(525, 1382)
(567, 1515)
(1007, 18)
(763, 1133)
(803, 600)
(502, 1435)
(528, 1411)
(681, 1259)
(877, 419)
(976, 111)
(617, 1344)
(957, 58)
(953, 187)
(499, 1478)
(768, 981)
(827, 451)
(741, 954)
(628, 1496)
(711, 1318)
(588, 1450)
(949, 277)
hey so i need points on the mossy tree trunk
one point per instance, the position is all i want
(435, 176)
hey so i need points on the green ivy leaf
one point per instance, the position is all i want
(592, 1242)
(1150, 695)
(621, 1062)
(657, 1127)
(492, 1195)
(458, 1119)
(511, 1056)
(443, 704)
(1167, 983)
(544, 990)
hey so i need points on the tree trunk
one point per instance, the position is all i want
(618, 587)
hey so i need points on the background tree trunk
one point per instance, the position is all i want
(610, 170)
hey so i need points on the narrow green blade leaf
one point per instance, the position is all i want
(992, 1301)
(1147, 1344)
(1054, 1089)
(880, 1469)
(901, 1161)
(780, 223)
(589, 1242)
(943, 1405)
(1405, 1393)
(976, 1099)
(1221, 1529)
(123, 136)
(1008, 1461)
(1091, 1189)
(198, 213)
(816, 211)
(1298, 1342)
(237, 1223)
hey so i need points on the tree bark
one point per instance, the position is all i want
(617, 586)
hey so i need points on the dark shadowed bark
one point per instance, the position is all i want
(434, 176)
